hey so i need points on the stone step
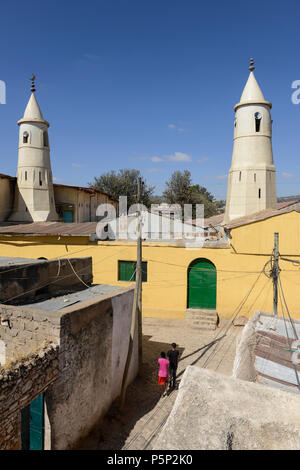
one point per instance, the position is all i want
(202, 319)
(205, 317)
(205, 311)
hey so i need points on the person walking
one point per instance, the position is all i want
(163, 373)
(173, 355)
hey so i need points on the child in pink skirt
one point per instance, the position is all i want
(163, 373)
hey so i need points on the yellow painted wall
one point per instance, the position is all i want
(165, 292)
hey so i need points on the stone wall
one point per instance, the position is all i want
(23, 330)
(24, 282)
(93, 348)
(80, 380)
(20, 384)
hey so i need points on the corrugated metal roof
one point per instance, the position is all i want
(273, 359)
(51, 229)
(266, 214)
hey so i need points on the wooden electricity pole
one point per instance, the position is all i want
(139, 275)
(275, 273)
(136, 317)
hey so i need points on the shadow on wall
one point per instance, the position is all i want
(142, 396)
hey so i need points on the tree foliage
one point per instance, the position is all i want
(180, 190)
(124, 183)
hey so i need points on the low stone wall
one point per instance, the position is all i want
(80, 380)
(23, 330)
(20, 384)
(21, 283)
(93, 349)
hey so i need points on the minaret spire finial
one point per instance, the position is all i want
(32, 83)
(251, 64)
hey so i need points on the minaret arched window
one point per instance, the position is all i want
(45, 139)
(259, 193)
(258, 117)
(25, 137)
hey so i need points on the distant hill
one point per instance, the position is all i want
(288, 198)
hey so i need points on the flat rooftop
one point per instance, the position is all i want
(8, 261)
(64, 301)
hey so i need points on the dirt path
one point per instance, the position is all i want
(145, 413)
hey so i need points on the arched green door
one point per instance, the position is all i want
(202, 284)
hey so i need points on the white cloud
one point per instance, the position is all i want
(202, 160)
(221, 177)
(77, 165)
(174, 127)
(156, 159)
(287, 175)
(179, 157)
(57, 180)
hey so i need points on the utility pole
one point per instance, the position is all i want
(139, 274)
(136, 317)
(275, 273)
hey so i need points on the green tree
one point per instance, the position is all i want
(180, 190)
(123, 183)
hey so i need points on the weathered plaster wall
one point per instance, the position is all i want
(93, 347)
(215, 412)
(20, 384)
(44, 277)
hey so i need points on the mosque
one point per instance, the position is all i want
(176, 280)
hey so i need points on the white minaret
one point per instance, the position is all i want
(34, 198)
(252, 179)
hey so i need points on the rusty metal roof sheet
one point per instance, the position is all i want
(50, 229)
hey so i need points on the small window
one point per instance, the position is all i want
(40, 178)
(25, 137)
(255, 177)
(240, 176)
(258, 117)
(25, 175)
(45, 139)
(126, 271)
(259, 193)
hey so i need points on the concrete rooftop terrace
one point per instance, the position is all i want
(8, 261)
(65, 301)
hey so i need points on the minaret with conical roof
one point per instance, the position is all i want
(252, 179)
(34, 198)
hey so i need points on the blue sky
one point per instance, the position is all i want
(149, 84)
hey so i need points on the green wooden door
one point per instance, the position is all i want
(202, 284)
(33, 425)
(68, 216)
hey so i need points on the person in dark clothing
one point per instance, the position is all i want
(173, 355)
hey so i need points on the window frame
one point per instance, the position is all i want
(133, 263)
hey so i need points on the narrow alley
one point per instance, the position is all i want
(145, 413)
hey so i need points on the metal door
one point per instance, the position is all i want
(202, 284)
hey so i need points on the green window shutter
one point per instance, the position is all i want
(144, 271)
(126, 271)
